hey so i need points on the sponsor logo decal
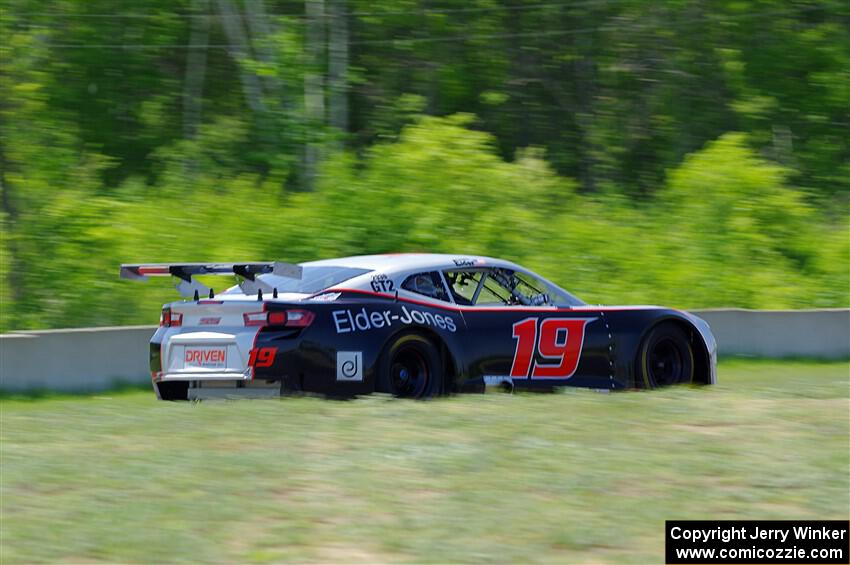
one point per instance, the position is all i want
(326, 297)
(382, 283)
(207, 357)
(468, 262)
(362, 320)
(349, 365)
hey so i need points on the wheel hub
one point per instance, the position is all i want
(409, 373)
(666, 362)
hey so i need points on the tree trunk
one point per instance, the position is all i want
(585, 72)
(240, 50)
(13, 283)
(517, 83)
(338, 68)
(260, 32)
(314, 94)
(196, 66)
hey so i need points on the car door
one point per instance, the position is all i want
(516, 331)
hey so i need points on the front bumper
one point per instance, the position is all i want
(710, 344)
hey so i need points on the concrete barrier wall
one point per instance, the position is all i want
(80, 360)
(74, 360)
(781, 333)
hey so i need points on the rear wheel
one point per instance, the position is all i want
(666, 357)
(411, 368)
(173, 390)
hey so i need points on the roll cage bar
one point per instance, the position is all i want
(506, 279)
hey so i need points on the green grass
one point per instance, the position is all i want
(573, 477)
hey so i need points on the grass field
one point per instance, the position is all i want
(572, 477)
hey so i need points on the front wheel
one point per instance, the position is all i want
(411, 368)
(666, 357)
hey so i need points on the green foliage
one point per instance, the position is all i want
(727, 230)
(674, 155)
(738, 233)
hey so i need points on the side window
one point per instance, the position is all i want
(531, 291)
(464, 285)
(493, 292)
(502, 287)
(478, 287)
(426, 284)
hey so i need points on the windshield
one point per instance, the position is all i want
(313, 280)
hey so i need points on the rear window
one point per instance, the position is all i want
(313, 280)
(426, 284)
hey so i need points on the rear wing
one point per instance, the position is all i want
(247, 272)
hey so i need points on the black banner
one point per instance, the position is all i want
(821, 542)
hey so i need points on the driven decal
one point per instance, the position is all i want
(548, 348)
(205, 357)
(347, 321)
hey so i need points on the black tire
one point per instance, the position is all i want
(411, 368)
(173, 390)
(665, 357)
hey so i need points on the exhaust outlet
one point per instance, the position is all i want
(498, 383)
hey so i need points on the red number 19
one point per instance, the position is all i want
(559, 345)
(263, 357)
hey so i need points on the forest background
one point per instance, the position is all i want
(684, 152)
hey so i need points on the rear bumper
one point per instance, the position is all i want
(232, 393)
(195, 376)
(222, 387)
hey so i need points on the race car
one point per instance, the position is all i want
(410, 325)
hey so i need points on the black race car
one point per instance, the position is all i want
(412, 325)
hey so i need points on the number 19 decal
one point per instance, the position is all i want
(557, 345)
(262, 357)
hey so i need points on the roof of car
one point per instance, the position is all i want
(394, 262)
(396, 267)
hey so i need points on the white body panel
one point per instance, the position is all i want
(213, 342)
